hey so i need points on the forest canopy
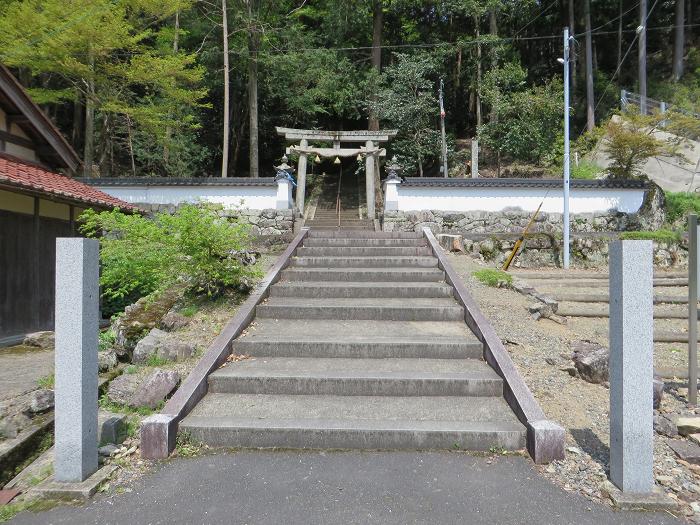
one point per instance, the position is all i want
(188, 88)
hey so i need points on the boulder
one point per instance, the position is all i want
(665, 427)
(658, 392)
(111, 428)
(451, 243)
(122, 388)
(159, 343)
(107, 360)
(688, 425)
(43, 340)
(149, 345)
(155, 388)
(142, 316)
(591, 361)
(41, 401)
(11, 426)
(174, 321)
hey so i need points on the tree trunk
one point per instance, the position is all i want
(89, 150)
(168, 131)
(642, 58)
(227, 125)
(253, 42)
(572, 31)
(679, 41)
(78, 122)
(478, 72)
(590, 104)
(493, 30)
(377, 25)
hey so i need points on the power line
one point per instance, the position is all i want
(542, 12)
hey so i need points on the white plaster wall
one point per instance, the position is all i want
(251, 197)
(526, 199)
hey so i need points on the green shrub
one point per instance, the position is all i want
(680, 204)
(667, 236)
(48, 381)
(107, 338)
(140, 255)
(585, 170)
(492, 277)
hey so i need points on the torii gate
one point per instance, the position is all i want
(371, 151)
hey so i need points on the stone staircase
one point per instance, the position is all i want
(359, 345)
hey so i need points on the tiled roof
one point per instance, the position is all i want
(523, 183)
(28, 176)
(175, 181)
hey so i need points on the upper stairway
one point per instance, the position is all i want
(360, 344)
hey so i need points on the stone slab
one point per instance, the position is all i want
(657, 500)
(688, 425)
(81, 491)
(7, 495)
(545, 441)
(686, 450)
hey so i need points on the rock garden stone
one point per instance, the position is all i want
(688, 425)
(149, 345)
(142, 316)
(159, 343)
(591, 361)
(658, 392)
(122, 388)
(155, 388)
(43, 340)
(174, 321)
(11, 426)
(107, 450)
(111, 427)
(664, 426)
(41, 401)
(107, 360)
(686, 450)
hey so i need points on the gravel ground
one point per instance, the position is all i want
(541, 352)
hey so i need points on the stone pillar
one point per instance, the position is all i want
(301, 178)
(77, 312)
(631, 366)
(284, 193)
(391, 194)
(369, 180)
(475, 158)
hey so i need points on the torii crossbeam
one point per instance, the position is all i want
(370, 151)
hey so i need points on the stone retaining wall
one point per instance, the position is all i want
(266, 223)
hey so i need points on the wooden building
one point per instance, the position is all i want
(39, 201)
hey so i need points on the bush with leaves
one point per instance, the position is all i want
(141, 255)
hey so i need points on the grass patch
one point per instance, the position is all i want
(186, 446)
(131, 369)
(9, 511)
(110, 406)
(491, 277)
(190, 310)
(106, 340)
(680, 204)
(667, 236)
(156, 360)
(585, 170)
(48, 381)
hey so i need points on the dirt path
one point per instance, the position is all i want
(20, 369)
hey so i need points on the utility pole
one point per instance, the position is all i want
(566, 148)
(590, 109)
(227, 116)
(642, 30)
(442, 131)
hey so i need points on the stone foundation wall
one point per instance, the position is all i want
(263, 222)
(587, 251)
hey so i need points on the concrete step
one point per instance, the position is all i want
(363, 251)
(379, 309)
(366, 262)
(363, 274)
(340, 228)
(354, 422)
(359, 243)
(357, 377)
(325, 289)
(360, 339)
(368, 235)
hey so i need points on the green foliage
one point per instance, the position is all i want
(585, 170)
(492, 277)
(189, 310)
(186, 446)
(528, 121)
(194, 246)
(156, 360)
(106, 340)
(406, 99)
(109, 406)
(665, 236)
(680, 204)
(48, 381)
(9, 511)
(631, 140)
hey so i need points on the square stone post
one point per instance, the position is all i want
(77, 326)
(301, 178)
(284, 194)
(631, 366)
(475, 158)
(369, 180)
